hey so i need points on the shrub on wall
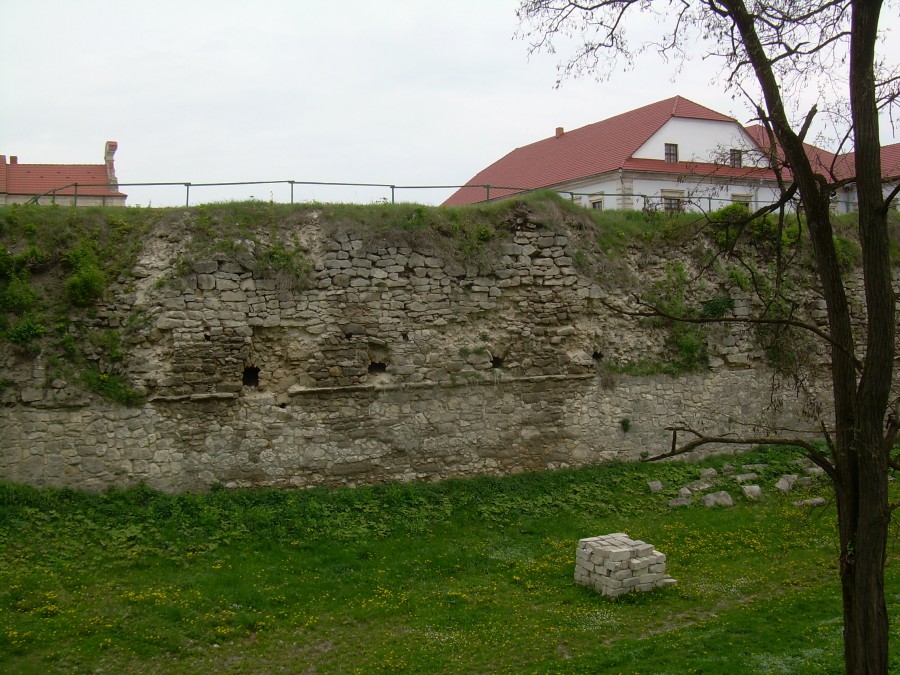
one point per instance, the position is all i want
(110, 386)
(23, 331)
(18, 296)
(87, 281)
(733, 222)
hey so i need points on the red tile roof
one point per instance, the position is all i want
(36, 179)
(822, 161)
(890, 163)
(700, 169)
(839, 167)
(589, 151)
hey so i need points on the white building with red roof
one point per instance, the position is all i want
(672, 155)
(79, 184)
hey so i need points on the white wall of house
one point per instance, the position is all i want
(65, 200)
(603, 191)
(698, 141)
(606, 192)
(707, 195)
(701, 141)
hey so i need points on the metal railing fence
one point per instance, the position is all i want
(491, 192)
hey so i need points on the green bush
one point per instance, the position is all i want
(18, 296)
(847, 251)
(26, 329)
(110, 386)
(715, 308)
(33, 258)
(86, 285)
(688, 341)
(7, 263)
(109, 343)
(81, 254)
(733, 222)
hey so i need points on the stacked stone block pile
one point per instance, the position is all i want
(615, 564)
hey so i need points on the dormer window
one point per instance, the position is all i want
(735, 159)
(671, 152)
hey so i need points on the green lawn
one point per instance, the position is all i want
(460, 576)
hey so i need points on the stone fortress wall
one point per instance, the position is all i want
(394, 362)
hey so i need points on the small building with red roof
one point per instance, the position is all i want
(670, 155)
(78, 184)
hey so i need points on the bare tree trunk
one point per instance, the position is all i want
(863, 525)
(859, 452)
(863, 511)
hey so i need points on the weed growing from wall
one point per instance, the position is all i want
(732, 225)
(292, 269)
(686, 342)
(18, 296)
(110, 386)
(87, 282)
(24, 331)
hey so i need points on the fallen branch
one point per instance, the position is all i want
(814, 454)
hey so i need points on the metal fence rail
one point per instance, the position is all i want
(491, 192)
(393, 187)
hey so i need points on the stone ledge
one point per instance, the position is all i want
(431, 384)
(214, 396)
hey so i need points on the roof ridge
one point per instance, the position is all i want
(51, 164)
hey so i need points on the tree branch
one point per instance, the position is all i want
(657, 312)
(701, 439)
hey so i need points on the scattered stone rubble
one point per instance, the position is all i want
(615, 564)
(721, 498)
(709, 476)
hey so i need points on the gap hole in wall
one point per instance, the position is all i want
(377, 367)
(207, 337)
(497, 362)
(597, 356)
(405, 336)
(251, 376)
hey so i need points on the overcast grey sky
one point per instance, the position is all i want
(405, 92)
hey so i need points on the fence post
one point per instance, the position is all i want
(488, 197)
(392, 194)
(75, 201)
(187, 194)
(292, 190)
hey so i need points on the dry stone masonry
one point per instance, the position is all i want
(615, 564)
(396, 360)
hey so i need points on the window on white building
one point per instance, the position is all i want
(672, 200)
(735, 158)
(743, 200)
(671, 152)
(597, 204)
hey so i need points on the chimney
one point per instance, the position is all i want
(13, 159)
(559, 131)
(108, 152)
